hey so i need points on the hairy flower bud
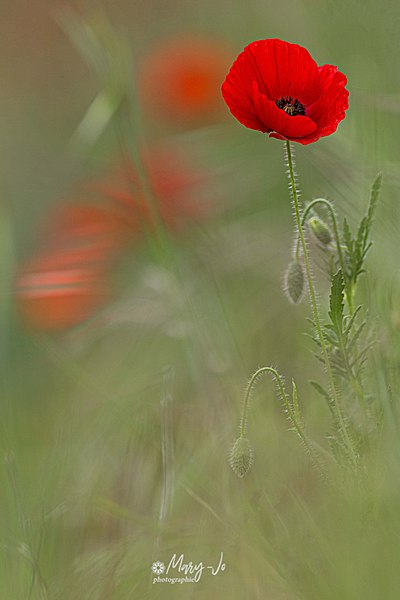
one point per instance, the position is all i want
(241, 456)
(294, 281)
(321, 230)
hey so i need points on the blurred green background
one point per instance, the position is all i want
(114, 433)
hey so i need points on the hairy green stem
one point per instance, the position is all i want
(332, 213)
(335, 408)
(348, 290)
(289, 409)
(253, 378)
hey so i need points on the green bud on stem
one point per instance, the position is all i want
(321, 230)
(294, 281)
(241, 456)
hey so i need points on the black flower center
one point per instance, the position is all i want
(290, 106)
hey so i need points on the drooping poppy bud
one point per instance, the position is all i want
(320, 230)
(241, 456)
(294, 281)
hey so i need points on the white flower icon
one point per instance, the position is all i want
(158, 567)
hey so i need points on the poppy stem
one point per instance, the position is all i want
(332, 213)
(291, 409)
(246, 403)
(335, 405)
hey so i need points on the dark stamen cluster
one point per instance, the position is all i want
(290, 106)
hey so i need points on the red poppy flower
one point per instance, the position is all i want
(181, 78)
(277, 88)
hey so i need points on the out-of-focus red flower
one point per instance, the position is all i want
(181, 78)
(177, 190)
(88, 233)
(56, 300)
(277, 88)
(68, 280)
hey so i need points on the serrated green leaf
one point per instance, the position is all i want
(336, 301)
(350, 322)
(367, 247)
(356, 335)
(362, 234)
(319, 358)
(363, 244)
(374, 196)
(321, 390)
(348, 239)
(361, 355)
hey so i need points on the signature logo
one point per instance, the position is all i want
(179, 570)
(158, 567)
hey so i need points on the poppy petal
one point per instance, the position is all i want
(237, 92)
(280, 68)
(331, 106)
(276, 119)
(285, 69)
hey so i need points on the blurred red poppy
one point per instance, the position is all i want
(69, 278)
(55, 300)
(178, 190)
(181, 78)
(277, 88)
(88, 233)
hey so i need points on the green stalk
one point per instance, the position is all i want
(288, 408)
(336, 410)
(328, 205)
(292, 412)
(331, 210)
